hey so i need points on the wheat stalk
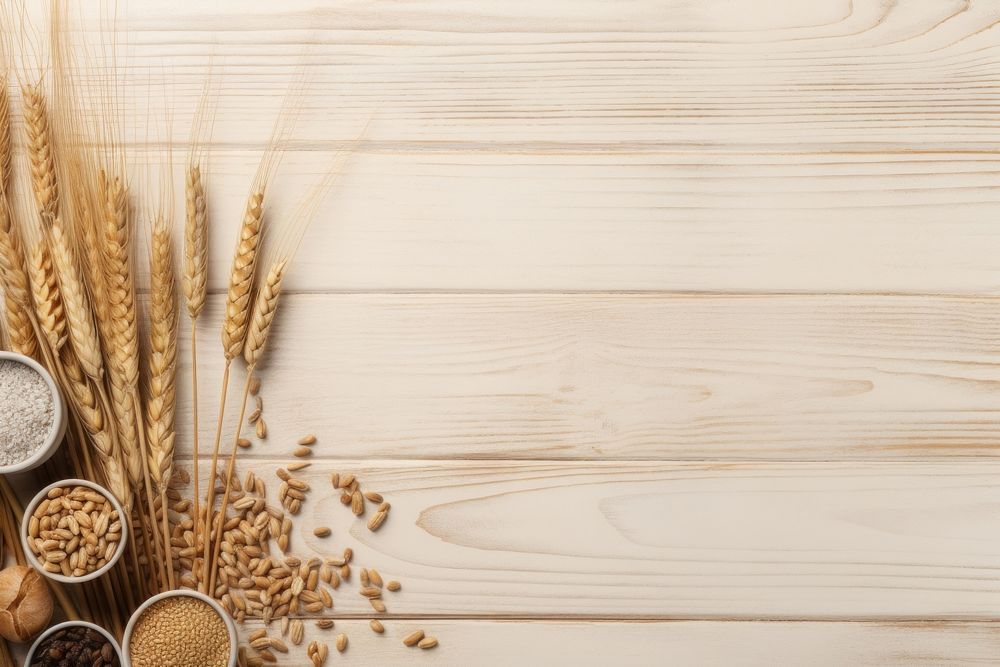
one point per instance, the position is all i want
(195, 288)
(48, 302)
(40, 153)
(234, 328)
(256, 341)
(123, 352)
(13, 277)
(79, 316)
(162, 388)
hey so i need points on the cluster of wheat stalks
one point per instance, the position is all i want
(70, 300)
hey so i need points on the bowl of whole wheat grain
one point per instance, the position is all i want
(74, 531)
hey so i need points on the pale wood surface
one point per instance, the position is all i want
(713, 644)
(665, 540)
(709, 286)
(611, 376)
(817, 145)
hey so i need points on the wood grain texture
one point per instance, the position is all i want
(602, 376)
(668, 328)
(711, 146)
(705, 644)
(647, 540)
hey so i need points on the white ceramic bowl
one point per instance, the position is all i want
(33, 505)
(72, 624)
(230, 626)
(58, 422)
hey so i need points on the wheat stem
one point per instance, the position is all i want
(212, 563)
(195, 289)
(152, 532)
(210, 491)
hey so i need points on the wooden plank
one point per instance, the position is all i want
(622, 376)
(823, 541)
(727, 221)
(702, 643)
(712, 146)
(702, 75)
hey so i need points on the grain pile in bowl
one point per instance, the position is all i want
(28, 413)
(74, 531)
(186, 629)
(78, 645)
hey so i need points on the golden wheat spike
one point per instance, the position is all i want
(195, 243)
(119, 286)
(263, 314)
(237, 315)
(40, 152)
(162, 388)
(45, 293)
(16, 290)
(88, 225)
(80, 318)
(123, 353)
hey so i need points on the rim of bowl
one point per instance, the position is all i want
(58, 420)
(226, 618)
(73, 624)
(30, 509)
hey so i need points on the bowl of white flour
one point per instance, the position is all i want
(32, 414)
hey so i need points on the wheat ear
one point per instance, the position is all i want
(238, 298)
(162, 389)
(13, 276)
(195, 288)
(263, 313)
(48, 302)
(195, 243)
(123, 353)
(80, 318)
(14, 279)
(40, 153)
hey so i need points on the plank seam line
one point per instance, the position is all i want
(610, 462)
(639, 618)
(625, 292)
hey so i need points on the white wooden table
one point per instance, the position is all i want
(669, 328)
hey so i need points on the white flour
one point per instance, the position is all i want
(27, 412)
